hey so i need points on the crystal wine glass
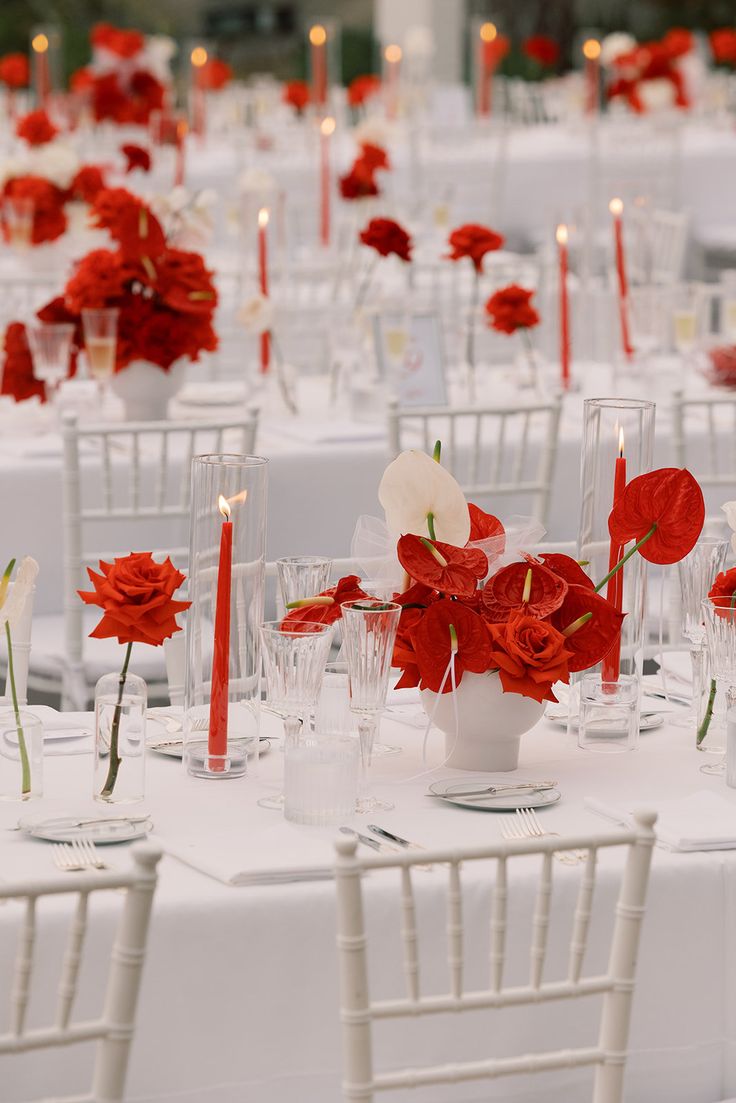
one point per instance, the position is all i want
(719, 615)
(369, 630)
(51, 348)
(294, 660)
(302, 576)
(100, 339)
(696, 572)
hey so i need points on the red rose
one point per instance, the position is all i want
(542, 49)
(49, 219)
(36, 128)
(14, 71)
(87, 183)
(296, 93)
(136, 157)
(362, 88)
(136, 594)
(387, 237)
(215, 74)
(530, 655)
(473, 241)
(510, 309)
(18, 380)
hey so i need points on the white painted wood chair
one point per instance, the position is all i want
(359, 1011)
(142, 501)
(704, 439)
(113, 1031)
(493, 452)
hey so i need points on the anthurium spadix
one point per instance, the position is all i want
(414, 488)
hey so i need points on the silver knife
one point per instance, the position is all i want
(384, 834)
(365, 839)
(494, 790)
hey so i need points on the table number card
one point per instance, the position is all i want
(410, 357)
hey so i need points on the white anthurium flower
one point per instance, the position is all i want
(13, 167)
(256, 315)
(613, 45)
(54, 161)
(729, 508)
(413, 486)
(11, 609)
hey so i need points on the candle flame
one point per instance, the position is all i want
(263, 217)
(393, 54)
(198, 57)
(317, 35)
(616, 207)
(561, 234)
(182, 126)
(40, 43)
(592, 49)
(327, 126)
(488, 32)
(621, 442)
(224, 507)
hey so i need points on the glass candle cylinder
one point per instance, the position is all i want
(21, 755)
(120, 738)
(226, 588)
(45, 62)
(618, 439)
(323, 51)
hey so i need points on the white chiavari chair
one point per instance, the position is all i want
(493, 452)
(140, 482)
(113, 1030)
(704, 441)
(359, 1010)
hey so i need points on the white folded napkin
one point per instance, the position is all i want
(701, 821)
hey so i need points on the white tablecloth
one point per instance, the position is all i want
(239, 999)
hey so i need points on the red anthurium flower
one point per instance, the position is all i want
(595, 637)
(129, 222)
(88, 183)
(416, 600)
(567, 568)
(530, 655)
(386, 237)
(723, 593)
(667, 503)
(444, 567)
(359, 183)
(136, 157)
(449, 626)
(510, 309)
(529, 588)
(483, 525)
(474, 242)
(325, 608)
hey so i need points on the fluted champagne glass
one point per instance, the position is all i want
(697, 572)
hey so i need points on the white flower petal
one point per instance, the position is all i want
(20, 591)
(729, 508)
(256, 314)
(412, 486)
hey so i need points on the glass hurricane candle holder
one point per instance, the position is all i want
(226, 588)
(120, 739)
(21, 756)
(618, 438)
(323, 51)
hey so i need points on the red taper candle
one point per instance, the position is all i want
(318, 49)
(616, 207)
(615, 587)
(263, 216)
(592, 78)
(217, 738)
(327, 127)
(561, 236)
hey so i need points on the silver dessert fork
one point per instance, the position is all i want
(526, 825)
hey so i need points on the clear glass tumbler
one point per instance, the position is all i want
(321, 780)
(120, 739)
(609, 714)
(21, 755)
(302, 576)
(18, 214)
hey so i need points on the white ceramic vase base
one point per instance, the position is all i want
(146, 389)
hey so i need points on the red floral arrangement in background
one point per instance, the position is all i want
(15, 72)
(495, 50)
(36, 128)
(363, 88)
(360, 182)
(387, 237)
(136, 157)
(296, 94)
(511, 308)
(49, 217)
(652, 61)
(723, 46)
(722, 369)
(122, 88)
(165, 296)
(542, 49)
(473, 241)
(215, 75)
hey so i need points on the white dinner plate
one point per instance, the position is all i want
(117, 828)
(173, 745)
(451, 791)
(648, 722)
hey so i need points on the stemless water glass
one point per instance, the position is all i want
(697, 572)
(21, 756)
(333, 716)
(100, 340)
(369, 630)
(51, 347)
(719, 616)
(321, 780)
(18, 212)
(302, 576)
(120, 738)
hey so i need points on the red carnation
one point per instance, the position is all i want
(296, 93)
(510, 309)
(359, 183)
(362, 88)
(664, 509)
(136, 157)
(215, 75)
(387, 237)
(88, 183)
(449, 627)
(36, 128)
(474, 241)
(14, 71)
(542, 49)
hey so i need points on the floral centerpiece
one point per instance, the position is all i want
(165, 296)
(543, 54)
(15, 73)
(360, 181)
(648, 76)
(486, 640)
(473, 242)
(510, 310)
(128, 76)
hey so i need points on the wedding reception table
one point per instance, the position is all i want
(239, 998)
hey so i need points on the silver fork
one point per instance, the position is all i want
(77, 856)
(527, 826)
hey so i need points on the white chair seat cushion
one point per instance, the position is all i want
(99, 656)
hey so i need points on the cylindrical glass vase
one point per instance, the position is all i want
(618, 441)
(21, 755)
(120, 738)
(226, 589)
(323, 52)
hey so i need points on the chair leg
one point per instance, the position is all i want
(74, 691)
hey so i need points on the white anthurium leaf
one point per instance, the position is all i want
(729, 508)
(20, 591)
(414, 485)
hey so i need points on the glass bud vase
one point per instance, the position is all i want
(21, 755)
(120, 738)
(227, 557)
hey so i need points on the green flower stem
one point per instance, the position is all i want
(430, 526)
(470, 345)
(112, 770)
(437, 453)
(705, 724)
(25, 766)
(626, 558)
